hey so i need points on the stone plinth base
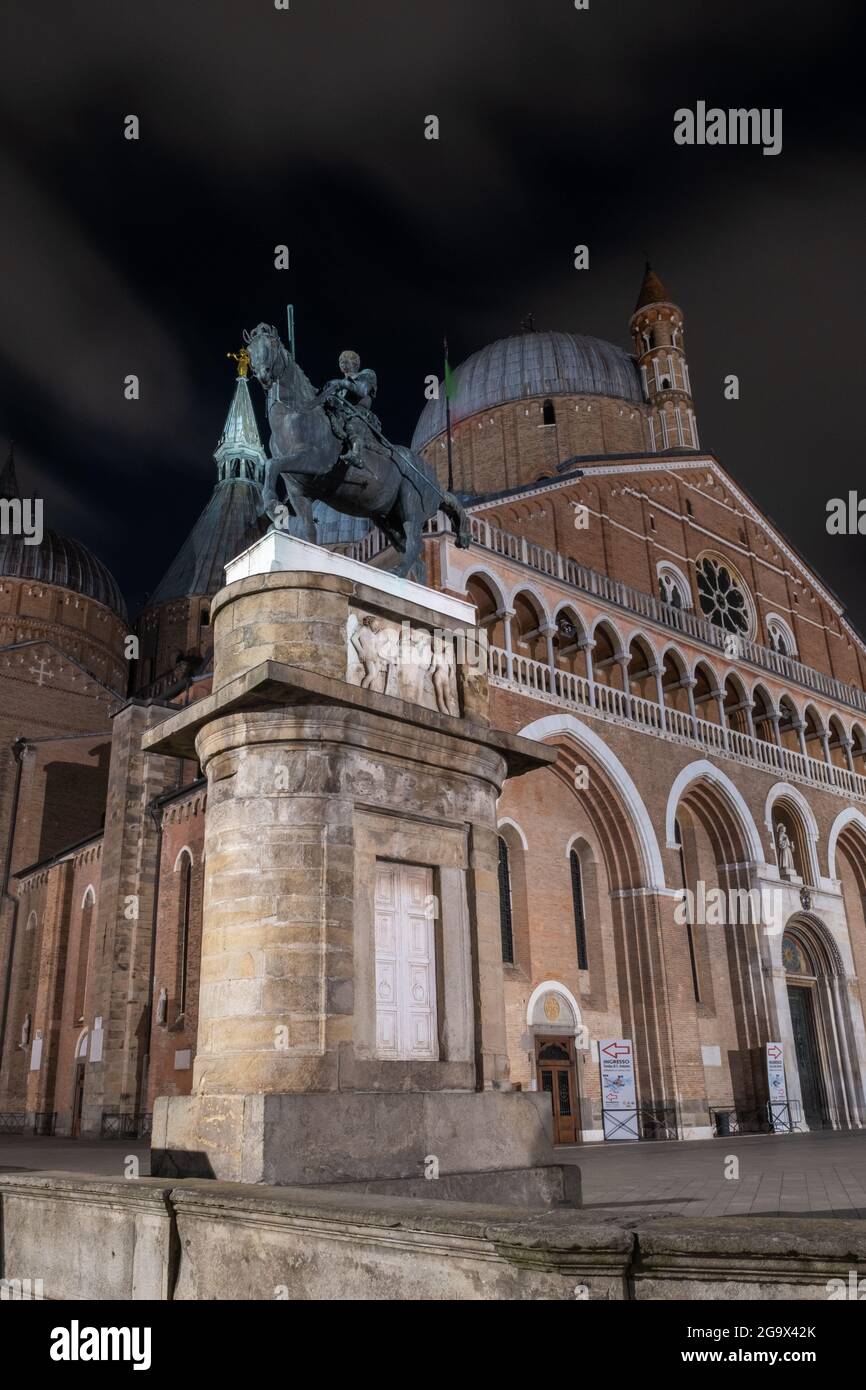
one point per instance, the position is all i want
(350, 1136)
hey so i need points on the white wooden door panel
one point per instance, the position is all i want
(405, 963)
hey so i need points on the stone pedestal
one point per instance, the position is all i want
(344, 747)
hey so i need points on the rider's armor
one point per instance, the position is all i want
(356, 389)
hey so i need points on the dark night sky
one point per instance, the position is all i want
(261, 126)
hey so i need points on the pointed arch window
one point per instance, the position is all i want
(83, 952)
(579, 916)
(506, 924)
(183, 924)
(548, 413)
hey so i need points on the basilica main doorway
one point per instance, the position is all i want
(802, 1008)
(555, 1064)
(807, 1028)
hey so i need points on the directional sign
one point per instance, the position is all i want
(618, 1097)
(780, 1113)
(776, 1072)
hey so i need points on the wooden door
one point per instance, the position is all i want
(556, 1076)
(406, 1027)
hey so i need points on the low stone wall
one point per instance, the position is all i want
(89, 1238)
(745, 1257)
(92, 1239)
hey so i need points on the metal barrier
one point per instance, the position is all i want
(649, 1121)
(774, 1117)
(19, 1122)
(130, 1126)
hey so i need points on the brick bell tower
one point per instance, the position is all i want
(657, 329)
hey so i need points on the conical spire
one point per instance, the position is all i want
(652, 291)
(230, 520)
(8, 481)
(239, 441)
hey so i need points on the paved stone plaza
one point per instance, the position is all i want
(22, 1153)
(822, 1174)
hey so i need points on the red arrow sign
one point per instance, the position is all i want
(774, 1051)
(617, 1050)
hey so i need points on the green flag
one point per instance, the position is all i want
(450, 385)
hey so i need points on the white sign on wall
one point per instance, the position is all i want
(36, 1053)
(618, 1094)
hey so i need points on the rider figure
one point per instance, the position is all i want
(356, 388)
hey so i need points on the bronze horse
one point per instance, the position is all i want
(399, 491)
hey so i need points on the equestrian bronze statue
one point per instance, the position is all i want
(329, 447)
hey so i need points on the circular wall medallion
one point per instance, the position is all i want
(551, 1008)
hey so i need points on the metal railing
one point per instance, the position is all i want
(565, 688)
(597, 585)
(649, 1120)
(135, 1126)
(658, 1120)
(773, 1117)
(20, 1122)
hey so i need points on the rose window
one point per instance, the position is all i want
(722, 601)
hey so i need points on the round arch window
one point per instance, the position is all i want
(723, 596)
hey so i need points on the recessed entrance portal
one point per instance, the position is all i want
(77, 1100)
(808, 1062)
(802, 979)
(556, 1076)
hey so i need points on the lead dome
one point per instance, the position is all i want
(531, 365)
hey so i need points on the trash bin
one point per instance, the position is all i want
(723, 1123)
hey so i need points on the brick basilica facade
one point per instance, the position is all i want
(702, 686)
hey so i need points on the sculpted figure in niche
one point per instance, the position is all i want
(25, 1031)
(786, 852)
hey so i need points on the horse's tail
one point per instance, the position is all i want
(459, 518)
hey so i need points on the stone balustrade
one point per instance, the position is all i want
(571, 691)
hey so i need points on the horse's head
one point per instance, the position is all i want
(268, 357)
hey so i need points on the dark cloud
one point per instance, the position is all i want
(306, 127)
